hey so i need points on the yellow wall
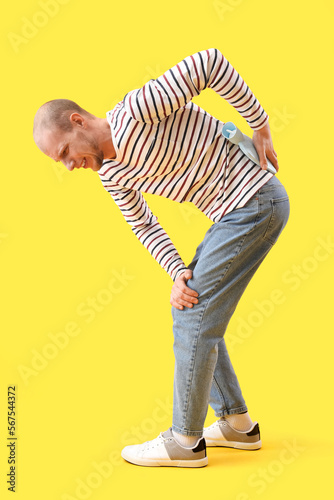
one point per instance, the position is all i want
(64, 246)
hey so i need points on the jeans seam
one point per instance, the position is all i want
(238, 249)
(219, 391)
(185, 432)
(236, 411)
(271, 223)
(195, 343)
(203, 312)
(191, 371)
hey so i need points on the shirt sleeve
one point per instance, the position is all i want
(146, 227)
(176, 87)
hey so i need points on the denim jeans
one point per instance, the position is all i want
(224, 263)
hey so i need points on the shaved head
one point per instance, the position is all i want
(55, 116)
(66, 132)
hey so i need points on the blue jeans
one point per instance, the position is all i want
(224, 263)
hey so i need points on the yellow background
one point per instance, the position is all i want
(63, 241)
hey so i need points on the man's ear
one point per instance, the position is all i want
(78, 119)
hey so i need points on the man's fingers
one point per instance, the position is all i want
(187, 274)
(187, 291)
(181, 285)
(179, 303)
(185, 296)
(264, 147)
(271, 155)
(273, 158)
(262, 158)
(179, 299)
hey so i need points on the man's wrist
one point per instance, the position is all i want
(264, 126)
(179, 272)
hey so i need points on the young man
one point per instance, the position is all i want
(156, 140)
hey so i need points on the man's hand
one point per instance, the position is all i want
(181, 294)
(264, 146)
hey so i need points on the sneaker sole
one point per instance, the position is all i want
(153, 462)
(234, 444)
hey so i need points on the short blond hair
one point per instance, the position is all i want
(56, 114)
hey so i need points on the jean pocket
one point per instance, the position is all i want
(280, 211)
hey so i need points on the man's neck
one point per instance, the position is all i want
(105, 141)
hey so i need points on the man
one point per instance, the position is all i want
(156, 140)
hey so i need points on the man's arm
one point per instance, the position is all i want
(150, 233)
(205, 69)
(176, 87)
(173, 90)
(146, 227)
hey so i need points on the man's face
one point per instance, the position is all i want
(75, 149)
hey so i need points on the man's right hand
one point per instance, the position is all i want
(181, 294)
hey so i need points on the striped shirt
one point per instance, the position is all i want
(167, 145)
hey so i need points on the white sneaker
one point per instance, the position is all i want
(166, 451)
(221, 433)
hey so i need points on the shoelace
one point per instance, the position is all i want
(155, 442)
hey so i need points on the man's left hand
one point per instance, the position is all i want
(264, 146)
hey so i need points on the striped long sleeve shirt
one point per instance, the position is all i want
(167, 145)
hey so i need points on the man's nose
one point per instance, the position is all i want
(69, 164)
